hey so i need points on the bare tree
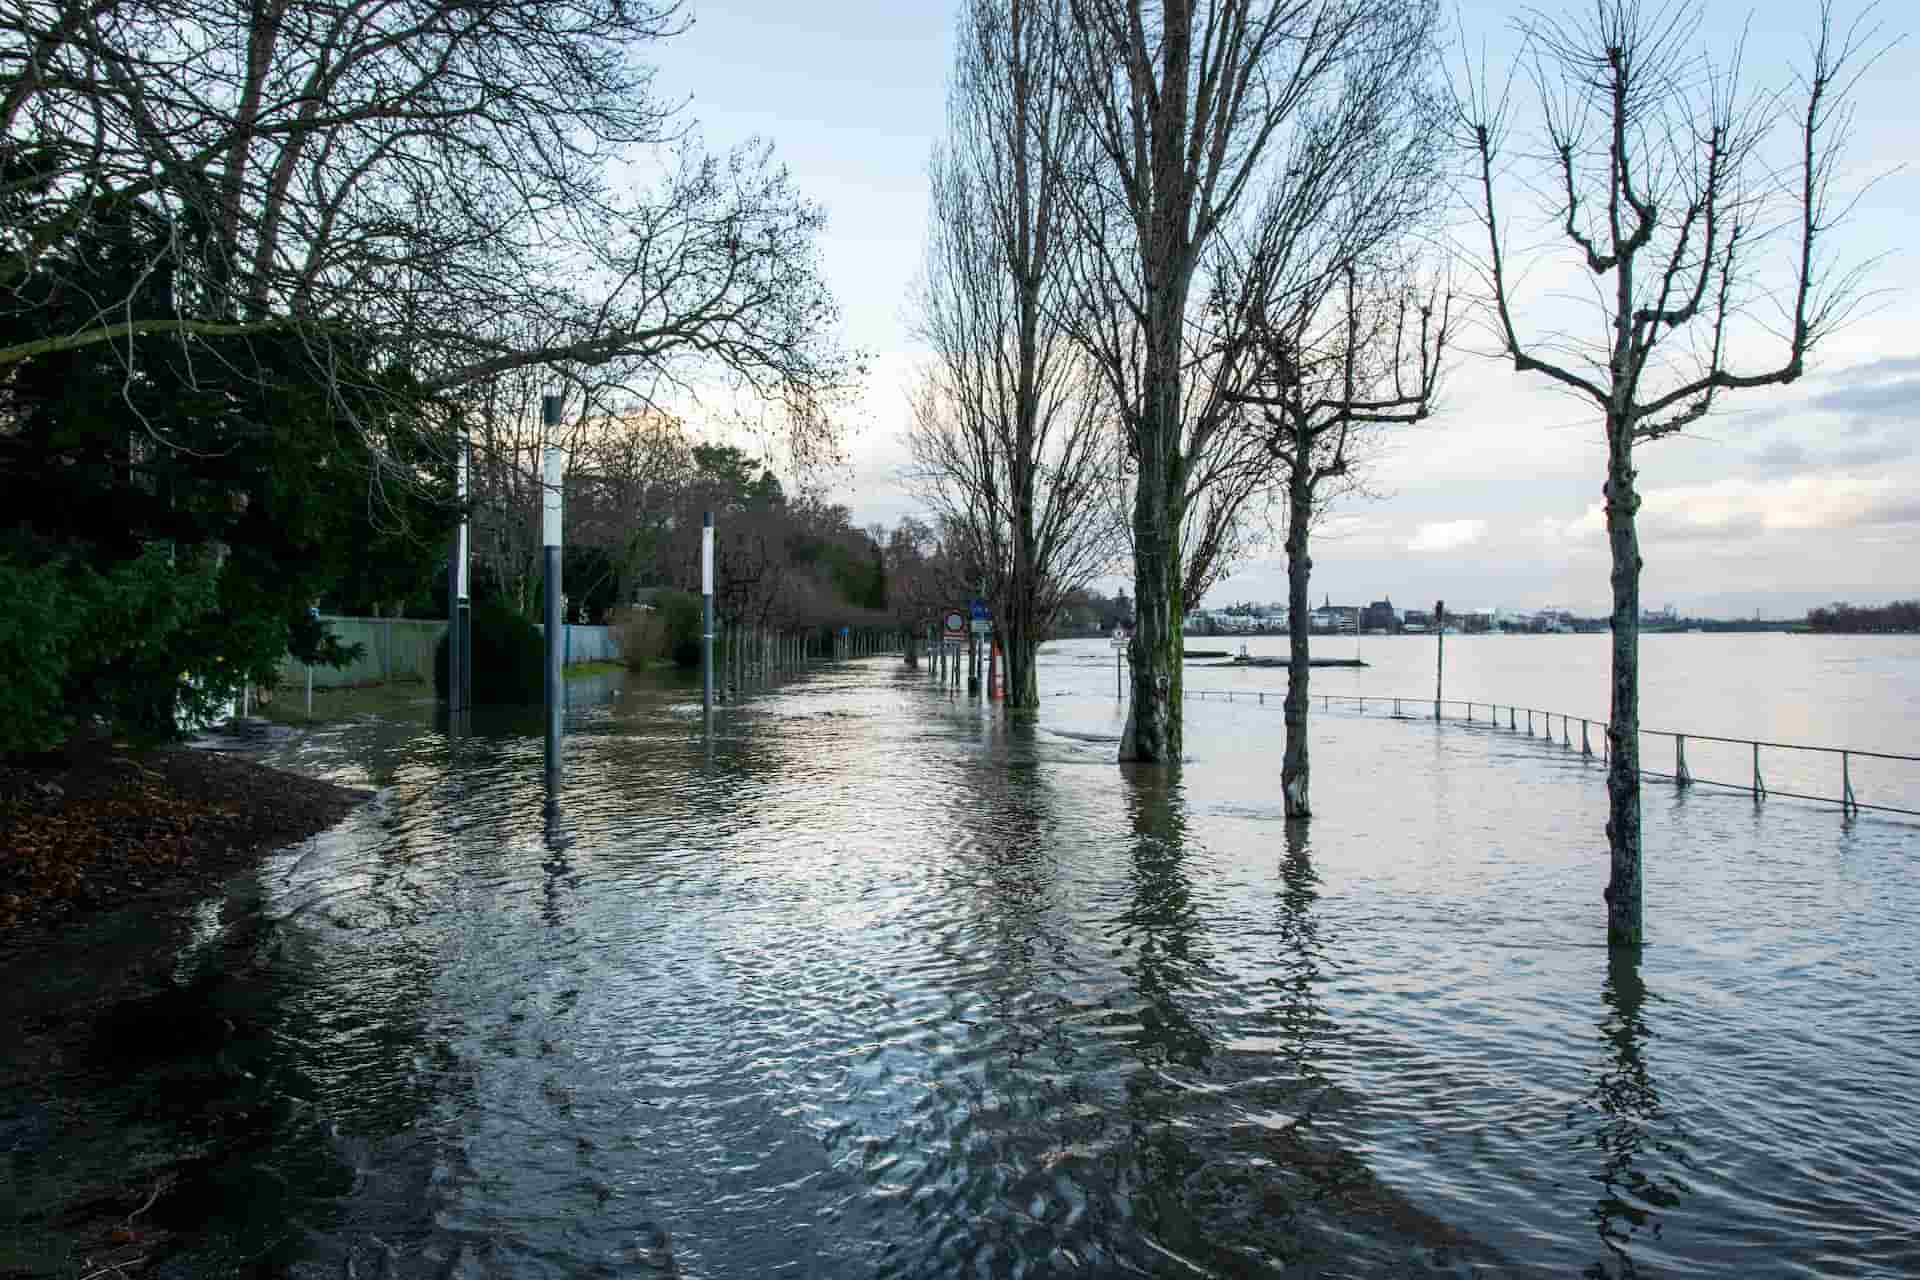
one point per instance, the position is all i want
(922, 578)
(1230, 498)
(405, 174)
(1009, 433)
(623, 475)
(502, 420)
(1655, 170)
(1187, 109)
(1320, 300)
(1338, 360)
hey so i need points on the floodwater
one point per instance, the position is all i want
(1861, 693)
(868, 981)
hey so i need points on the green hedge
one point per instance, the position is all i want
(131, 644)
(683, 614)
(509, 659)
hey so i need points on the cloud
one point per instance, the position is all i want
(1899, 397)
(1884, 367)
(1447, 535)
(1874, 454)
(1739, 508)
(1789, 456)
(1783, 455)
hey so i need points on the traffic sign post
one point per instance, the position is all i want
(953, 633)
(977, 651)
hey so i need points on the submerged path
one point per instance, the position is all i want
(874, 982)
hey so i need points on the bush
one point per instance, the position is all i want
(509, 658)
(640, 633)
(134, 644)
(682, 614)
(34, 630)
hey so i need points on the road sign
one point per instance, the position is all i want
(1120, 638)
(979, 610)
(954, 624)
(983, 626)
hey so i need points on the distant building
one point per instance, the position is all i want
(1381, 616)
(1336, 617)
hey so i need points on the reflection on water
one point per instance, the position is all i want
(853, 978)
(1642, 1148)
(1159, 927)
(1299, 971)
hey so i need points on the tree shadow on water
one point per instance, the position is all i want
(1241, 1132)
(1642, 1148)
(1161, 927)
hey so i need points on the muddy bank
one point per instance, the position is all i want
(97, 825)
(126, 1090)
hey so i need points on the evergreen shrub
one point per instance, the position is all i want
(682, 613)
(509, 658)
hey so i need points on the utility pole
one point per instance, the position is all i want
(459, 610)
(1439, 651)
(706, 627)
(554, 464)
(973, 643)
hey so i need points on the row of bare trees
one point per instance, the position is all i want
(637, 486)
(1168, 295)
(1187, 259)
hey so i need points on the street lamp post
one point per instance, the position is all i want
(554, 462)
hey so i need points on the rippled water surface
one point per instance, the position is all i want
(868, 981)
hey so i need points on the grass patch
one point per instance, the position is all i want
(593, 668)
(401, 699)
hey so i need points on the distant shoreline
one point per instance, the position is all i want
(1703, 627)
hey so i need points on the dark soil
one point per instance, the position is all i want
(104, 855)
(93, 825)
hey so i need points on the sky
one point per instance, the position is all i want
(1786, 498)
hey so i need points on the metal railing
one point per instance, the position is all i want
(1682, 777)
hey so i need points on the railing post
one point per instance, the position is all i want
(1586, 748)
(1681, 778)
(1263, 698)
(1529, 722)
(1396, 707)
(1849, 807)
(1565, 739)
(1759, 785)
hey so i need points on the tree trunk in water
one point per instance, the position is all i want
(1153, 730)
(1624, 921)
(911, 641)
(1019, 643)
(1295, 772)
